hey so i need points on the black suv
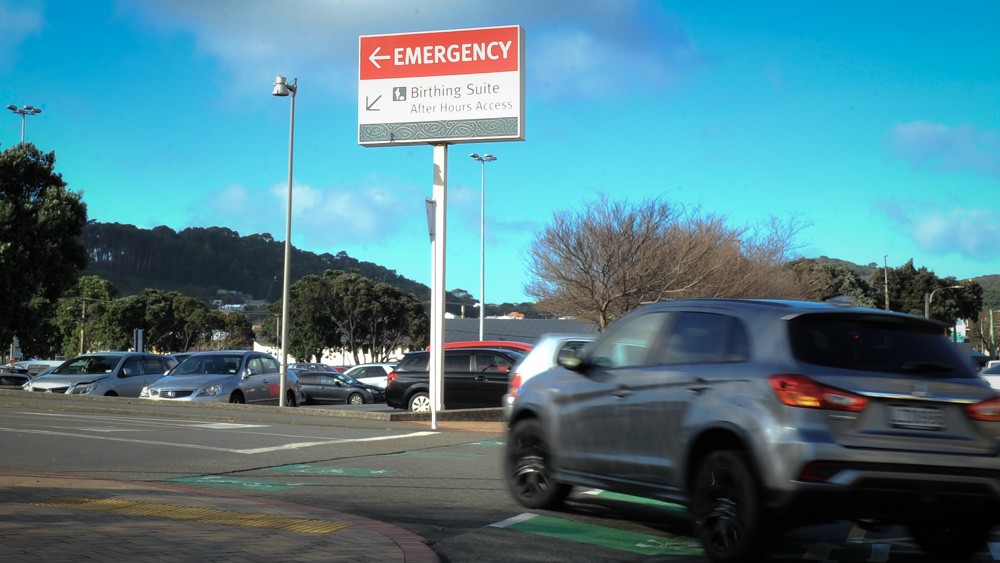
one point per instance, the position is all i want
(763, 415)
(473, 378)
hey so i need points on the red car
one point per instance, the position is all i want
(501, 344)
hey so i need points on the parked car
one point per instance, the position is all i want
(551, 349)
(473, 378)
(314, 366)
(764, 415)
(376, 374)
(103, 373)
(233, 376)
(327, 387)
(992, 375)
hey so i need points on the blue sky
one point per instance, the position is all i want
(876, 124)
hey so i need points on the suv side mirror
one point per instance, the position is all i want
(126, 372)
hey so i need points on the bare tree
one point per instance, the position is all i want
(599, 263)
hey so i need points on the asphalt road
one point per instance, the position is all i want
(443, 484)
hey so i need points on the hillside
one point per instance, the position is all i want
(201, 262)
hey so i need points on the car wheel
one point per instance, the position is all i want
(528, 468)
(237, 397)
(726, 505)
(290, 399)
(111, 394)
(421, 402)
(951, 541)
(356, 399)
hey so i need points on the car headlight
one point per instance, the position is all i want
(81, 388)
(144, 392)
(213, 391)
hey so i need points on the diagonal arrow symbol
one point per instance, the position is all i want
(375, 57)
(370, 105)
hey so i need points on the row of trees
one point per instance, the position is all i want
(92, 317)
(595, 264)
(605, 259)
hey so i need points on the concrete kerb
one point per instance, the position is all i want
(226, 410)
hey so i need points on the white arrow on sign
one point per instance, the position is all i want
(375, 57)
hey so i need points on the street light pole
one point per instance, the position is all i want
(283, 88)
(24, 112)
(885, 274)
(482, 239)
(928, 299)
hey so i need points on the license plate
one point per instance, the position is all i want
(917, 417)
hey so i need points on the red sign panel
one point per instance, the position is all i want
(440, 53)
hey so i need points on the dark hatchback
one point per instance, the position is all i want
(332, 387)
(473, 378)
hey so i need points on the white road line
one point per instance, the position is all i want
(513, 520)
(292, 446)
(151, 421)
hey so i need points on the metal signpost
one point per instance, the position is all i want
(441, 88)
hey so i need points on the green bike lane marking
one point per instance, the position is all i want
(635, 500)
(220, 481)
(438, 455)
(622, 540)
(302, 468)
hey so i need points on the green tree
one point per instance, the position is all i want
(80, 310)
(349, 312)
(825, 281)
(910, 289)
(40, 249)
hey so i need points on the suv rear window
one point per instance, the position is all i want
(875, 344)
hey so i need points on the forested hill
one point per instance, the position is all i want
(201, 261)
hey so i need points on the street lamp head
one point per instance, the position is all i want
(483, 159)
(12, 107)
(282, 87)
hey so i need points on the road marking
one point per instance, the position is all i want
(343, 471)
(251, 451)
(634, 499)
(152, 421)
(197, 514)
(614, 538)
(439, 455)
(265, 486)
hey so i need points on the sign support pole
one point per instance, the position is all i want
(440, 197)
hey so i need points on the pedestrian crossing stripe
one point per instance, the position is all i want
(196, 514)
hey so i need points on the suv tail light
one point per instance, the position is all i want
(988, 410)
(800, 391)
(390, 378)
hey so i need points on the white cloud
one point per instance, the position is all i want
(18, 21)
(949, 149)
(939, 231)
(596, 48)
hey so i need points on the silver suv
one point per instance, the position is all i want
(763, 415)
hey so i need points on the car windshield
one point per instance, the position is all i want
(992, 370)
(870, 344)
(348, 379)
(214, 364)
(88, 365)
